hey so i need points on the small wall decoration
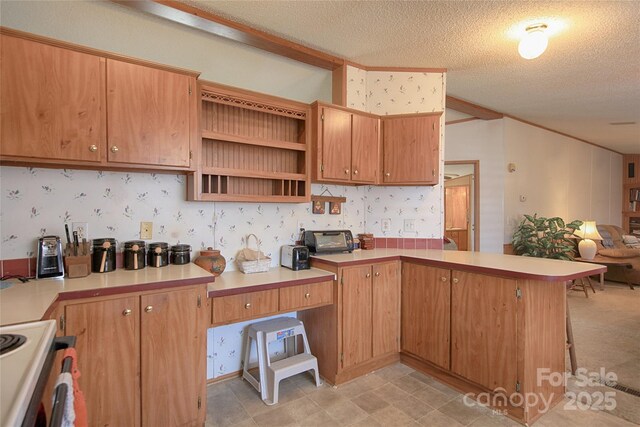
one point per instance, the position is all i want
(318, 207)
(335, 203)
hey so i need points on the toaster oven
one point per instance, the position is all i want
(328, 241)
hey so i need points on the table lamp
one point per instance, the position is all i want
(588, 232)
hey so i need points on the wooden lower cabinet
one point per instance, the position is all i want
(142, 357)
(484, 329)
(357, 315)
(426, 313)
(359, 333)
(486, 334)
(173, 348)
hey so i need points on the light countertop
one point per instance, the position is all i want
(513, 266)
(235, 282)
(26, 302)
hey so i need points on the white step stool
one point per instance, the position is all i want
(271, 373)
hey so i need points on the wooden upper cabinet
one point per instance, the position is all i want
(411, 149)
(149, 115)
(346, 145)
(51, 101)
(364, 149)
(336, 145)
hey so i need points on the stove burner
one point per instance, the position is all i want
(10, 342)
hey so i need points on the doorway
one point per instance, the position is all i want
(461, 204)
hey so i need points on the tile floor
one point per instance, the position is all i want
(399, 396)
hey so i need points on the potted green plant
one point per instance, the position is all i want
(545, 237)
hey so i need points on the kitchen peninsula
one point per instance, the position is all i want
(485, 324)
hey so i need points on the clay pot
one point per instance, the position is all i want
(212, 261)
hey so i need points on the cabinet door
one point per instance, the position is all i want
(148, 115)
(108, 346)
(386, 308)
(483, 330)
(356, 315)
(426, 293)
(411, 150)
(336, 144)
(52, 102)
(173, 331)
(364, 148)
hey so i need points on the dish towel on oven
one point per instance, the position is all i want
(79, 404)
(68, 412)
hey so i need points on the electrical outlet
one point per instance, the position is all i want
(82, 228)
(301, 225)
(410, 225)
(146, 230)
(386, 224)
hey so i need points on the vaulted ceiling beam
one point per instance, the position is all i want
(214, 24)
(471, 109)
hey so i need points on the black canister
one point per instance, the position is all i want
(158, 254)
(103, 257)
(180, 254)
(134, 255)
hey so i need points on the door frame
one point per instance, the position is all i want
(476, 198)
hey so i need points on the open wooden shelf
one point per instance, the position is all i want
(253, 148)
(207, 134)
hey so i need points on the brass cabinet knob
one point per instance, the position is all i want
(126, 312)
(368, 275)
(443, 278)
(355, 171)
(307, 295)
(377, 274)
(346, 171)
(387, 174)
(455, 280)
(115, 149)
(148, 309)
(93, 148)
(247, 305)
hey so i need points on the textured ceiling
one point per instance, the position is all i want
(588, 77)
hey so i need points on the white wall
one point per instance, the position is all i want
(483, 140)
(559, 176)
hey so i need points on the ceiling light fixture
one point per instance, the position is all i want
(534, 43)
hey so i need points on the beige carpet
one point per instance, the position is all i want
(606, 329)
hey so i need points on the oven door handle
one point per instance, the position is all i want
(31, 414)
(61, 392)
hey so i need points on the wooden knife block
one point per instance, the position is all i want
(80, 265)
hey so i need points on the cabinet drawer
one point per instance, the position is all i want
(235, 308)
(306, 296)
